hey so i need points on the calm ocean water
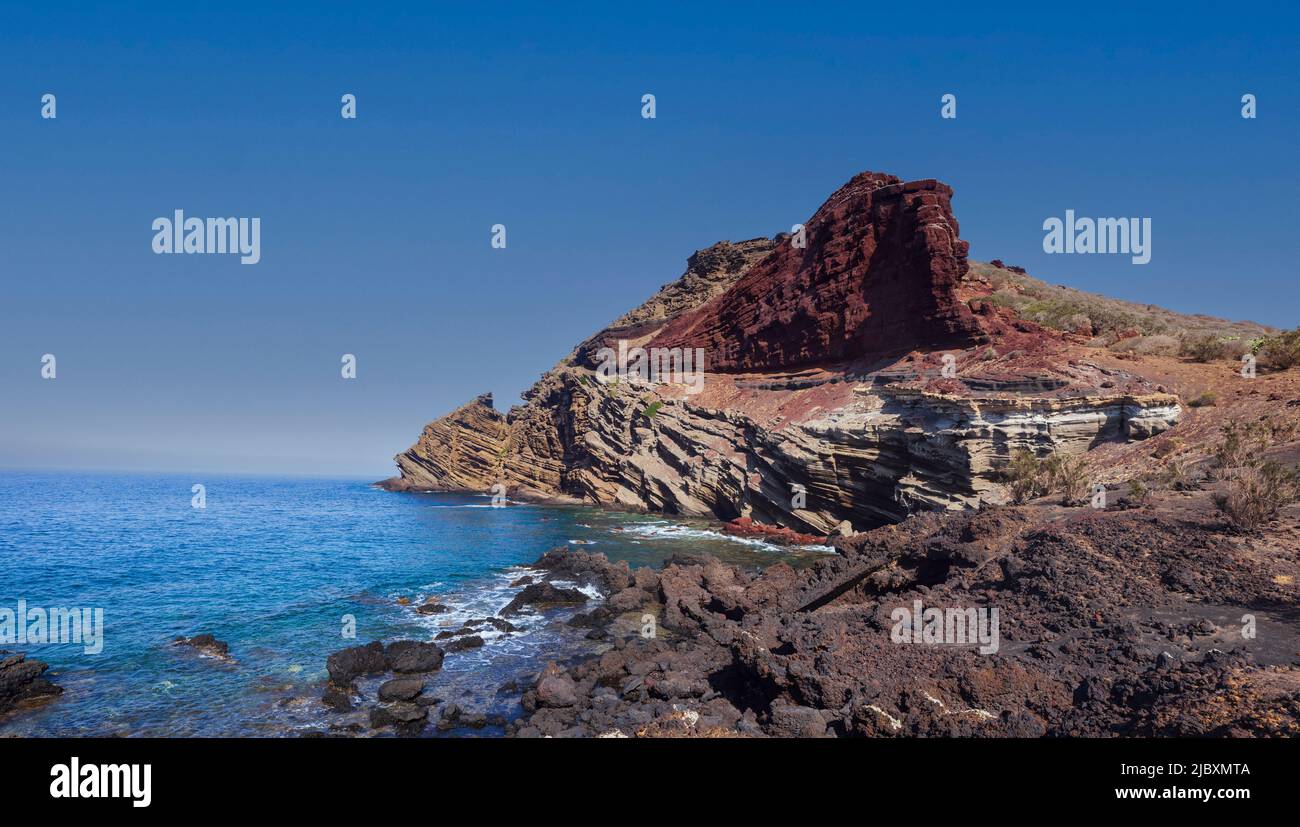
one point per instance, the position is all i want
(271, 566)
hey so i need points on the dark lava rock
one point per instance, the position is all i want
(205, 643)
(348, 664)
(463, 643)
(596, 617)
(798, 721)
(400, 689)
(431, 608)
(543, 594)
(413, 656)
(337, 699)
(21, 680)
(555, 688)
(503, 626)
(408, 718)
(586, 568)
(629, 599)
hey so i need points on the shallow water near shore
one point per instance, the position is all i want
(272, 567)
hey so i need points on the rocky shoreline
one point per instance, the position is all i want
(1116, 622)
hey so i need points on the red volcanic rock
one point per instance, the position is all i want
(879, 274)
(746, 527)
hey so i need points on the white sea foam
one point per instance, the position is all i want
(675, 531)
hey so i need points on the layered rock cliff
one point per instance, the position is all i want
(858, 376)
(877, 273)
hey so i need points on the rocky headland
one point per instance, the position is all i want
(1099, 473)
(858, 377)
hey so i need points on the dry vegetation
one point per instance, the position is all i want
(1142, 329)
(1029, 476)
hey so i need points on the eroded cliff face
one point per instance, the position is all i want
(859, 378)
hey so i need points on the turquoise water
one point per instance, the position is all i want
(272, 566)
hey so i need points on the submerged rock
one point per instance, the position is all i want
(22, 681)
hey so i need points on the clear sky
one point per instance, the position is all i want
(375, 232)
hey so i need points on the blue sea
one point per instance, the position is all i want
(273, 567)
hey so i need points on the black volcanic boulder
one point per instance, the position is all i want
(460, 644)
(400, 689)
(413, 656)
(555, 688)
(543, 594)
(586, 568)
(206, 644)
(20, 680)
(406, 718)
(355, 661)
(337, 698)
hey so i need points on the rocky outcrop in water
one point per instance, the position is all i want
(205, 644)
(23, 681)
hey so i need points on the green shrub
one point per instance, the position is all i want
(1207, 348)
(1022, 476)
(1282, 351)
(1027, 476)
(1067, 475)
(1138, 491)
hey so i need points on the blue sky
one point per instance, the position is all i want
(375, 231)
